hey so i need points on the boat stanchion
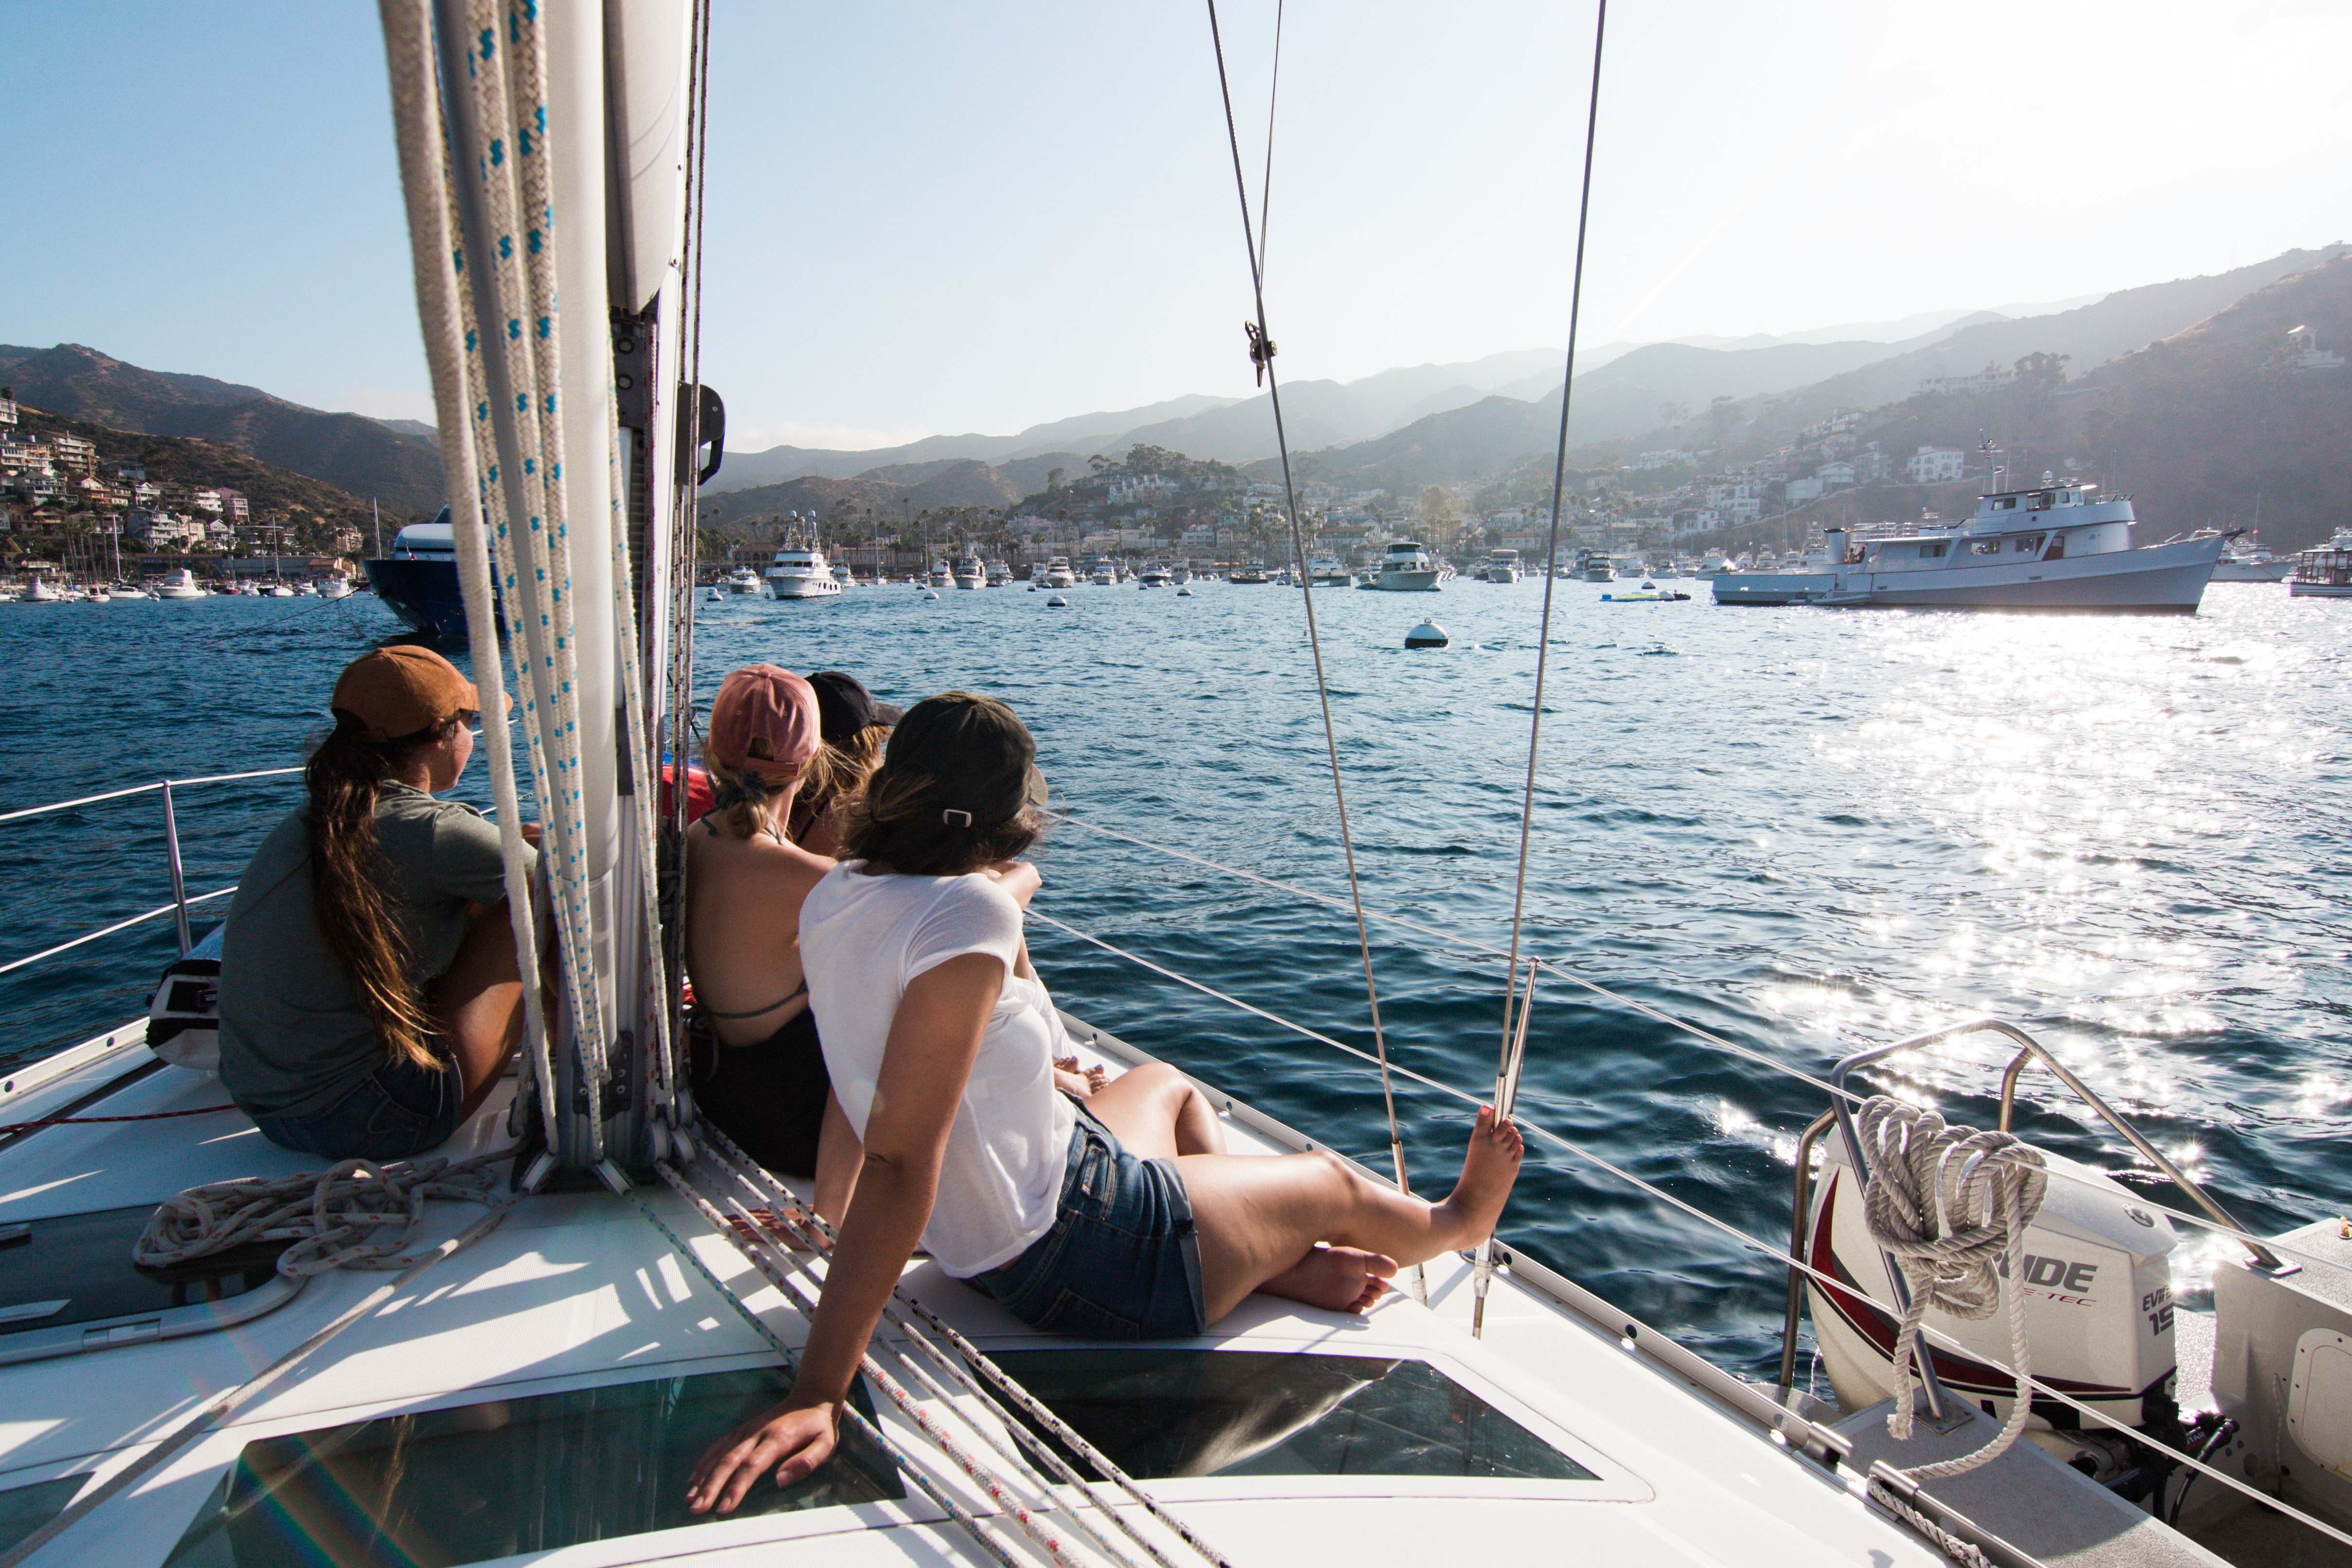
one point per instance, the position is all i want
(179, 876)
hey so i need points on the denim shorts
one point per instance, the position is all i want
(398, 1111)
(1121, 1259)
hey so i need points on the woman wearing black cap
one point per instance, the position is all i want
(854, 728)
(1121, 1218)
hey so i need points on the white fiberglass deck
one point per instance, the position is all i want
(579, 1292)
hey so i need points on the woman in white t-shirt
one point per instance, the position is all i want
(1112, 1215)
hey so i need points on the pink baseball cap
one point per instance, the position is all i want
(762, 703)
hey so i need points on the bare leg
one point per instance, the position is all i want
(476, 1003)
(1259, 1219)
(839, 1156)
(1158, 1115)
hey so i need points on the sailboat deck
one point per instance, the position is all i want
(579, 1292)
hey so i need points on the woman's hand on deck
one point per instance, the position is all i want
(794, 1440)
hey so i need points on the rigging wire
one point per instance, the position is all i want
(1265, 186)
(1514, 1001)
(1261, 355)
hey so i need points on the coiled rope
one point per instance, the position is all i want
(355, 1215)
(1950, 1206)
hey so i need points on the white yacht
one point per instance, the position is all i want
(999, 574)
(1057, 573)
(1105, 573)
(335, 585)
(2243, 560)
(1594, 566)
(800, 571)
(2060, 546)
(1715, 563)
(1404, 567)
(1500, 566)
(1155, 575)
(1325, 571)
(970, 573)
(942, 575)
(744, 582)
(1179, 572)
(2325, 572)
(178, 583)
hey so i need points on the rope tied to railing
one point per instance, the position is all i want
(1950, 1206)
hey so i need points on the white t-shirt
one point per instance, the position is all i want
(862, 939)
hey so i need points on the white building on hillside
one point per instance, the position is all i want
(1934, 465)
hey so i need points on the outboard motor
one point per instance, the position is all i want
(2098, 1312)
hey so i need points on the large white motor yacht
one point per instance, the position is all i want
(1500, 566)
(179, 583)
(1325, 571)
(1404, 567)
(2060, 546)
(1105, 573)
(1057, 573)
(801, 572)
(970, 573)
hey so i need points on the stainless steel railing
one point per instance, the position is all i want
(180, 901)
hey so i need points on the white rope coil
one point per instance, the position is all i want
(1950, 1206)
(355, 1215)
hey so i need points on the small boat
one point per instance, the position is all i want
(1105, 573)
(1325, 571)
(941, 576)
(1250, 574)
(281, 590)
(1650, 593)
(1000, 575)
(1058, 573)
(1155, 575)
(334, 586)
(744, 582)
(1180, 573)
(1500, 566)
(1405, 568)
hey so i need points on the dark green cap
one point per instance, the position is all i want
(977, 750)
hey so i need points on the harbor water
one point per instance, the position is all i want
(1806, 831)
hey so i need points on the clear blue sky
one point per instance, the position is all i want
(934, 218)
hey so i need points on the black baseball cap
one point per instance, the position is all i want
(977, 749)
(845, 707)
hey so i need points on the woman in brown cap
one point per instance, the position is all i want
(1114, 1216)
(757, 1069)
(369, 992)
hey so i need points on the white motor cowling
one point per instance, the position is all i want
(2098, 1308)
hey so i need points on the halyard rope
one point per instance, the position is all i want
(1261, 351)
(1950, 1206)
(442, 311)
(908, 1406)
(806, 1223)
(850, 1413)
(1515, 1028)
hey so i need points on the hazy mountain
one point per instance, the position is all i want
(895, 492)
(348, 451)
(1497, 433)
(1086, 432)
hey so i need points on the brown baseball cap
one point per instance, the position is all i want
(761, 701)
(400, 691)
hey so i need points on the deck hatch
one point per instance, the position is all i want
(24, 1510)
(74, 1268)
(1162, 1414)
(502, 1478)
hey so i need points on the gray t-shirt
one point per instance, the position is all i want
(294, 1038)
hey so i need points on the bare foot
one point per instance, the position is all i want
(1337, 1279)
(1487, 1172)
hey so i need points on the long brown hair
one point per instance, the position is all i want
(836, 776)
(347, 881)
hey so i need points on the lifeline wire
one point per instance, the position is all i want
(1746, 1053)
(1779, 1254)
(1262, 352)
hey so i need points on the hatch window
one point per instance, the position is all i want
(1159, 1414)
(24, 1510)
(73, 1270)
(503, 1479)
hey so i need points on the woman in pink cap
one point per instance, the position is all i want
(759, 1072)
